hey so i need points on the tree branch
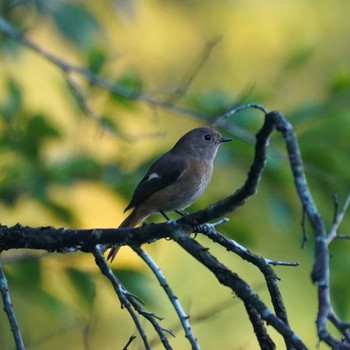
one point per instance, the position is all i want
(320, 271)
(8, 307)
(238, 286)
(184, 319)
(121, 292)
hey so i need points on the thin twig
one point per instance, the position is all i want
(338, 218)
(265, 341)
(84, 104)
(281, 263)
(184, 319)
(193, 72)
(8, 307)
(127, 299)
(343, 327)
(131, 339)
(303, 227)
(223, 119)
(121, 292)
(342, 236)
(67, 67)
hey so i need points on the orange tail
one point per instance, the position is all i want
(131, 221)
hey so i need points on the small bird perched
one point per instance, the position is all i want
(176, 179)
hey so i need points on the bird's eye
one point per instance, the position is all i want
(207, 137)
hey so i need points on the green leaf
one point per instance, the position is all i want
(307, 111)
(40, 126)
(211, 102)
(84, 286)
(96, 59)
(13, 101)
(37, 130)
(340, 86)
(10, 187)
(108, 123)
(76, 23)
(60, 211)
(53, 305)
(299, 57)
(80, 166)
(130, 84)
(26, 273)
(135, 282)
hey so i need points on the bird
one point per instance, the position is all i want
(175, 180)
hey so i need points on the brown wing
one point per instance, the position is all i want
(166, 170)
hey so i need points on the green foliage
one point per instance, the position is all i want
(11, 104)
(84, 286)
(25, 273)
(299, 57)
(129, 86)
(25, 276)
(76, 23)
(211, 103)
(74, 168)
(135, 282)
(96, 59)
(25, 169)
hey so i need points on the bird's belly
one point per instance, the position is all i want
(179, 195)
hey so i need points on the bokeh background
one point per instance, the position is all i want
(61, 167)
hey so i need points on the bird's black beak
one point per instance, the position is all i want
(225, 139)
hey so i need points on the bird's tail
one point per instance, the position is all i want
(131, 221)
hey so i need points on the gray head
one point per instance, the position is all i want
(200, 142)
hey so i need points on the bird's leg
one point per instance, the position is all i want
(182, 214)
(167, 219)
(166, 216)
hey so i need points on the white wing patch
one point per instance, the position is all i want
(153, 176)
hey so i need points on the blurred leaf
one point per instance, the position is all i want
(13, 101)
(212, 102)
(80, 166)
(32, 133)
(10, 188)
(306, 111)
(131, 84)
(299, 57)
(54, 305)
(340, 93)
(60, 211)
(76, 23)
(108, 123)
(340, 286)
(25, 273)
(111, 175)
(84, 286)
(96, 58)
(134, 281)
(40, 125)
(341, 83)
